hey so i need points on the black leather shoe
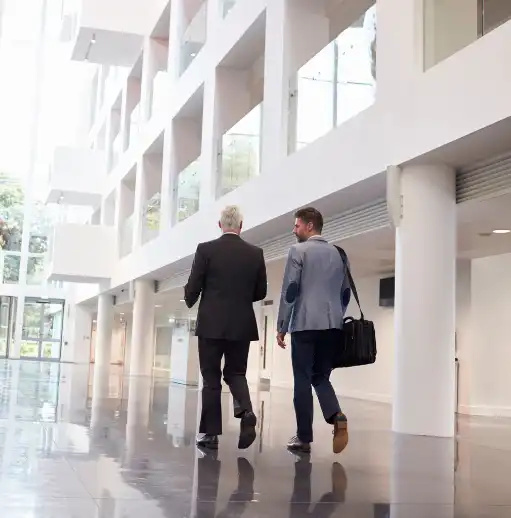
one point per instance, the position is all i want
(247, 430)
(208, 441)
(297, 446)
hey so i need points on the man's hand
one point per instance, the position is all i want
(280, 340)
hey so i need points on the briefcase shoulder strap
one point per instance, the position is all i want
(347, 272)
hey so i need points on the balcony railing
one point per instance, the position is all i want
(188, 191)
(473, 20)
(227, 5)
(151, 218)
(194, 37)
(337, 83)
(241, 152)
(69, 20)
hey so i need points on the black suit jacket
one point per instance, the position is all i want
(231, 275)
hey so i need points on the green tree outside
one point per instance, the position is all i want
(12, 201)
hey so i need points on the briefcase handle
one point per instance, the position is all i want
(347, 272)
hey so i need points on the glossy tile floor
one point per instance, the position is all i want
(129, 452)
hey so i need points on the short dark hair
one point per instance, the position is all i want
(311, 215)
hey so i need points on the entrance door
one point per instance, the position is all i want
(7, 323)
(267, 341)
(42, 329)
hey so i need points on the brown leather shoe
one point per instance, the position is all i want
(340, 433)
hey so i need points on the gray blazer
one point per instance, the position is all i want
(315, 289)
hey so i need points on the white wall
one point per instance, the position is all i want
(490, 347)
(83, 252)
(373, 382)
(483, 332)
(76, 334)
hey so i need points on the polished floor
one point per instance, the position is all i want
(129, 452)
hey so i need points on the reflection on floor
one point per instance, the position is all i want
(129, 452)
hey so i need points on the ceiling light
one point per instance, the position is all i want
(182, 300)
(158, 306)
(93, 39)
(501, 231)
(121, 314)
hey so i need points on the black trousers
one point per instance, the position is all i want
(312, 354)
(235, 354)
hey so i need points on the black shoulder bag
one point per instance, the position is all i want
(358, 337)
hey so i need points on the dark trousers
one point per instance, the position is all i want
(235, 356)
(312, 354)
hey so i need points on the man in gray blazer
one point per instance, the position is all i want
(315, 295)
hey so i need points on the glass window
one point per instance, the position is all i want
(188, 191)
(12, 201)
(36, 267)
(11, 264)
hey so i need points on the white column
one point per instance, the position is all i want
(177, 28)
(112, 129)
(149, 69)
(142, 338)
(140, 200)
(416, 459)
(168, 179)
(103, 348)
(425, 313)
(210, 142)
(104, 327)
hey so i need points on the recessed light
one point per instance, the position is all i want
(158, 306)
(501, 231)
(182, 300)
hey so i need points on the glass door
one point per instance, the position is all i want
(7, 323)
(42, 329)
(266, 341)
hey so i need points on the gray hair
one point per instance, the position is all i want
(231, 218)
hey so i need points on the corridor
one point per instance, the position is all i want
(129, 452)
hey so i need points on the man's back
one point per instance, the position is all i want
(231, 275)
(318, 302)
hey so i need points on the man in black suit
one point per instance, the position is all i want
(231, 275)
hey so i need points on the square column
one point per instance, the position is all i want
(425, 313)
(142, 338)
(277, 82)
(149, 69)
(211, 141)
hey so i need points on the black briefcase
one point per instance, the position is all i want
(358, 338)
